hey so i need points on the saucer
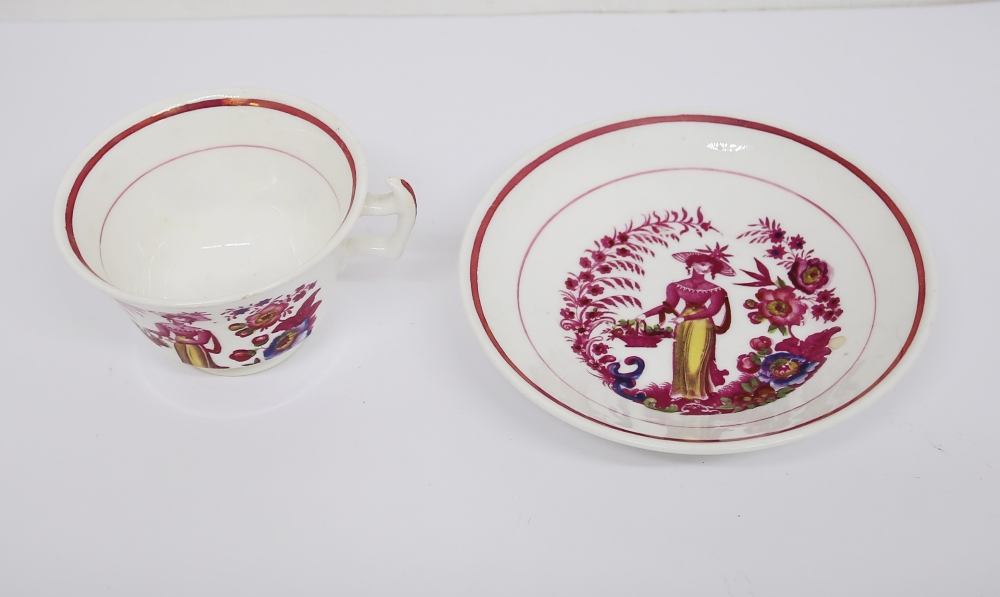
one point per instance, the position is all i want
(696, 282)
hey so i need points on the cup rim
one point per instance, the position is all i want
(239, 96)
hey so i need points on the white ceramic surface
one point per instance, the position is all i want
(696, 282)
(209, 217)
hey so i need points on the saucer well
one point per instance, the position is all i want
(696, 282)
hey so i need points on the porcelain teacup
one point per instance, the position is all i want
(206, 216)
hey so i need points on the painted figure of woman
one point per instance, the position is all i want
(695, 372)
(194, 346)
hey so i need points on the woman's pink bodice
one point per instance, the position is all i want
(711, 298)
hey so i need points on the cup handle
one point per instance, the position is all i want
(400, 201)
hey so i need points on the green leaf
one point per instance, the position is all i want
(756, 359)
(783, 330)
(784, 392)
(764, 352)
(771, 329)
(781, 283)
(672, 408)
(754, 382)
(747, 388)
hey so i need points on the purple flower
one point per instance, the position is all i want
(783, 369)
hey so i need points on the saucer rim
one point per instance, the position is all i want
(701, 447)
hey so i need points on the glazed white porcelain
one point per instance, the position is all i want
(696, 282)
(219, 220)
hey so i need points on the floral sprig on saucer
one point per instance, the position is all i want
(607, 268)
(783, 304)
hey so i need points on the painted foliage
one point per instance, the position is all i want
(257, 332)
(697, 313)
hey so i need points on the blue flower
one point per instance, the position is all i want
(783, 369)
(288, 339)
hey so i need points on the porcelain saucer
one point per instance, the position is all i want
(696, 282)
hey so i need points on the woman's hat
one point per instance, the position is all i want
(716, 256)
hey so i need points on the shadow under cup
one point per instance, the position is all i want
(204, 205)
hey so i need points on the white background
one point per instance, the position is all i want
(388, 457)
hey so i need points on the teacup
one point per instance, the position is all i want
(207, 215)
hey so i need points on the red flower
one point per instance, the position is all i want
(760, 343)
(779, 306)
(745, 364)
(242, 355)
(259, 340)
(809, 275)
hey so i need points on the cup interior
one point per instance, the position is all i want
(211, 199)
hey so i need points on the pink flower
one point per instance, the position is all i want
(584, 262)
(571, 283)
(607, 242)
(809, 275)
(600, 348)
(623, 238)
(604, 269)
(777, 252)
(833, 303)
(587, 276)
(817, 311)
(779, 306)
(598, 256)
(266, 317)
(776, 235)
(566, 313)
(796, 242)
(259, 340)
(824, 295)
(745, 364)
(622, 251)
(760, 343)
(596, 289)
(750, 304)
